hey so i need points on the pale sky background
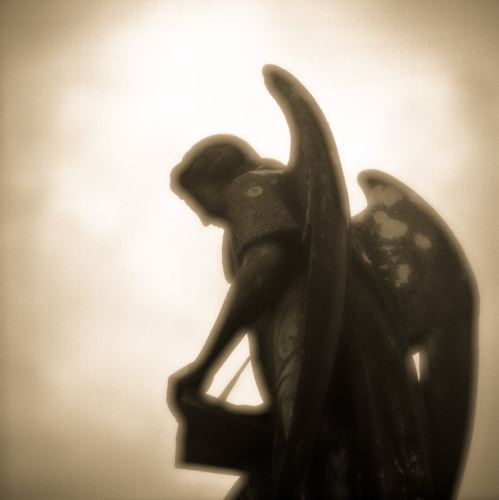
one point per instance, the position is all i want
(110, 283)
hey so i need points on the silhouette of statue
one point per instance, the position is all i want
(336, 307)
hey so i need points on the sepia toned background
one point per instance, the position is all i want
(110, 283)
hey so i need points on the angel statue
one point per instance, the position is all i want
(335, 308)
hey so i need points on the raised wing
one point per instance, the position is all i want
(319, 187)
(423, 273)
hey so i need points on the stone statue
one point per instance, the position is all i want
(336, 307)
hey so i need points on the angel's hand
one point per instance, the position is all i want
(192, 378)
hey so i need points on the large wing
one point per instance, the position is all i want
(423, 273)
(320, 190)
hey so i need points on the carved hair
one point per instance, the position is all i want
(216, 160)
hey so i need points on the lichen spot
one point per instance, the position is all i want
(422, 242)
(389, 228)
(366, 258)
(403, 273)
(254, 191)
(385, 195)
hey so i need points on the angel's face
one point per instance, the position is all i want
(208, 201)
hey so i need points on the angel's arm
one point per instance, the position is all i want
(258, 282)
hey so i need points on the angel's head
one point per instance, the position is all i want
(204, 175)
